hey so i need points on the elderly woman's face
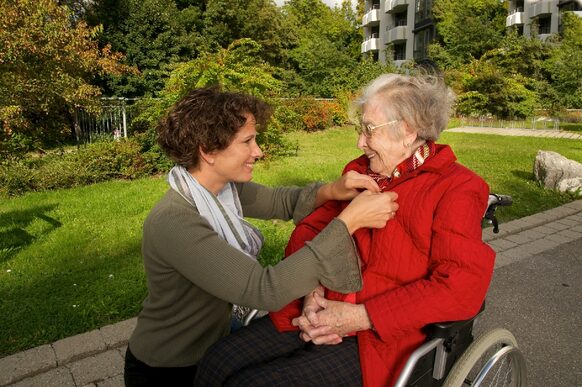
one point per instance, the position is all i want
(384, 147)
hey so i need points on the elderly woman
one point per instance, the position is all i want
(429, 264)
(200, 254)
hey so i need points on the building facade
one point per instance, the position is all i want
(403, 29)
(400, 28)
(539, 18)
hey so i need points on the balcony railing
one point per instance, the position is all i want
(542, 7)
(395, 5)
(371, 17)
(515, 18)
(397, 34)
(370, 44)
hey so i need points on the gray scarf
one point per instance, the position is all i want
(223, 212)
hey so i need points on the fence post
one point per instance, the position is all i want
(124, 118)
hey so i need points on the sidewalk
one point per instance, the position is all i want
(96, 358)
(518, 132)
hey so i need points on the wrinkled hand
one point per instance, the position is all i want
(349, 185)
(334, 320)
(370, 210)
(310, 305)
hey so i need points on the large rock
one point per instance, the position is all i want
(555, 171)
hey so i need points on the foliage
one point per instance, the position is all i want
(226, 21)
(152, 34)
(236, 68)
(323, 41)
(468, 28)
(308, 114)
(96, 162)
(486, 89)
(46, 65)
(565, 63)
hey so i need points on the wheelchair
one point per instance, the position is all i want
(451, 357)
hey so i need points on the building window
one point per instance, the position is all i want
(422, 39)
(544, 25)
(400, 51)
(423, 10)
(400, 19)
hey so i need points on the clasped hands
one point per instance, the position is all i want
(326, 322)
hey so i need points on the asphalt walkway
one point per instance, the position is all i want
(535, 294)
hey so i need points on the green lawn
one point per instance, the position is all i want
(70, 261)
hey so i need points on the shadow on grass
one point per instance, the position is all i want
(71, 299)
(13, 233)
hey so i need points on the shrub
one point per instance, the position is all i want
(309, 114)
(99, 161)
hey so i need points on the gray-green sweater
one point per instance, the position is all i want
(194, 276)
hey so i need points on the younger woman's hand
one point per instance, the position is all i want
(369, 210)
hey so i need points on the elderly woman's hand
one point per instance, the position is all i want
(334, 321)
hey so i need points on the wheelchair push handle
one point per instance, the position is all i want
(494, 201)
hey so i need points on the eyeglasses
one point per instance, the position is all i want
(367, 129)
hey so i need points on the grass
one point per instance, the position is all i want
(70, 259)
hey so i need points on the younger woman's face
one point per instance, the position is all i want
(236, 162)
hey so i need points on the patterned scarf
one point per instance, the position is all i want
(424, 152)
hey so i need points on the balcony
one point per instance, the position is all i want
(395, 5)
(515, 18)
(397, 34)
(542, 7)
(371, 17)
(371, 44)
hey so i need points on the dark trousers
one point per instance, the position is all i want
(258, 355)
(139, 374)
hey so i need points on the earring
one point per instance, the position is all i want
(211, 162)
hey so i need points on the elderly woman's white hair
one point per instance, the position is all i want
(424, 102)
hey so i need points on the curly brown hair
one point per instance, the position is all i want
(207, 119)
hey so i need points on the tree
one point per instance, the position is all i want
(467, 29)
(235, 68)
(565, 63)
(324, 41)
(260, 20)
(46, 66)
(152, 34)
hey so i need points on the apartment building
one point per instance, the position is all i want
(539, 18)
(404, 28)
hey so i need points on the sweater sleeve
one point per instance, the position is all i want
(180, 239)
(285, 203)
(460, 269)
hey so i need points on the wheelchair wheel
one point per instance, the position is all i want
(493, 359)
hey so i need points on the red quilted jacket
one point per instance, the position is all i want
(427, 265)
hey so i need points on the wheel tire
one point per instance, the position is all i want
(474, 353)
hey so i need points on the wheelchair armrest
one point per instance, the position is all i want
(443, 330)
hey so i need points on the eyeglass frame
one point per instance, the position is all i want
(367, 129)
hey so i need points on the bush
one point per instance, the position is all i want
(96, 162)
(309, 114)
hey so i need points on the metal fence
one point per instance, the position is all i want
(548, 123)
(112, 121)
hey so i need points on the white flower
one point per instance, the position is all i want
(110, 275)
(74, 306)
(8, 271)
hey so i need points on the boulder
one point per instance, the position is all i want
(555, 171)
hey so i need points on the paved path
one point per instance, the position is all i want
(519, 132)
(538, 263)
